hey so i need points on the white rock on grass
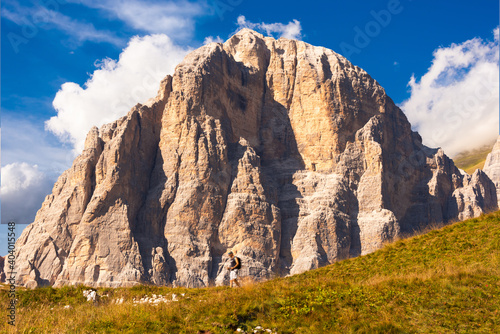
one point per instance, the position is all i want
(154, 299)
(91, 295)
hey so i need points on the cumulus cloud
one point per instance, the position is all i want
(114, 87)
(174, 18)
(455, 104)
(292, 30)
(24, 188)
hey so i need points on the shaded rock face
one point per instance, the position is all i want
(492, 167)
(283, 152)
(2, 273)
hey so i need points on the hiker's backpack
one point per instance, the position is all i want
(239, 263)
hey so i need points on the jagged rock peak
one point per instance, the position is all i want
(283, 152)
(492, 166)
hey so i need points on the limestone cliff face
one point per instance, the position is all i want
(492, 167)
(283, 152)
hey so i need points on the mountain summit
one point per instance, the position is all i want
(281, 151)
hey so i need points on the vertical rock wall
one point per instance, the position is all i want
(283, 152)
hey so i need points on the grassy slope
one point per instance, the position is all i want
(469, 161)
(445, 281)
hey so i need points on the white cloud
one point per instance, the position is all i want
(25, 140)
(211, 39)
(25, 185)
(114, 87)
(292, 30)
(31, 19)
(13, 16)
(24, 188)
(455, 105)
(82, 31)
(174, 18)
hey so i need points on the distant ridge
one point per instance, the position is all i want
(469, 161)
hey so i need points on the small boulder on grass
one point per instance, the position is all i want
(91, 295)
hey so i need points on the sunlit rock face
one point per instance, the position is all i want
(283, 152)
(492, 167)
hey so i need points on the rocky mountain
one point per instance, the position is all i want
(283, 152)
(492, 167)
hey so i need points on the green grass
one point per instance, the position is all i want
(469, 161)
(444, 281)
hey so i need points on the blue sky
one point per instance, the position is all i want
(52, 48)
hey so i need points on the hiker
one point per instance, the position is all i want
(234, 266)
